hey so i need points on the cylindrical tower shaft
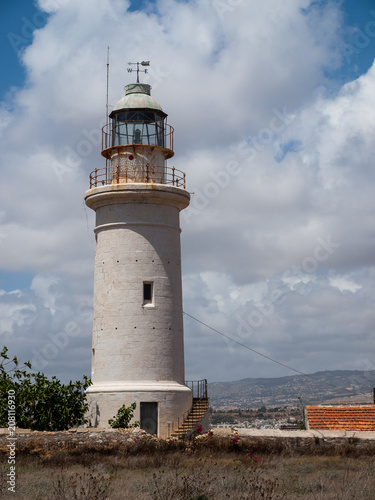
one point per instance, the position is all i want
(137, 332)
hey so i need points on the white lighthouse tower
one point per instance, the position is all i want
(137, 346)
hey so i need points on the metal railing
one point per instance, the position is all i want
(198, 388)
(139, 173)
(125, 134)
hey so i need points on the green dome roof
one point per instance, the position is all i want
(137, 96)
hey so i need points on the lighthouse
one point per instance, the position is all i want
(137, 343)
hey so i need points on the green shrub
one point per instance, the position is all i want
(123, 418)
(38, 403)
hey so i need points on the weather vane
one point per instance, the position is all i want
(143, 63)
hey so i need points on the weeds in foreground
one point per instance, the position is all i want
(352, 485)
(250, 459)
(204, 468)
(176, 485)
(205, 484)
(3, 476)
(86, 486)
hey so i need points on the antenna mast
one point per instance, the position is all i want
(106, 119)
(107, 107)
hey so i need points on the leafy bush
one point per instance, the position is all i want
(123, 418)
(40, 404)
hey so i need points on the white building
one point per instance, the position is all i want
(137, 346)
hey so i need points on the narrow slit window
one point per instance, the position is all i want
(147, 292)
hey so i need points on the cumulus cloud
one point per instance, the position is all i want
(278, 246)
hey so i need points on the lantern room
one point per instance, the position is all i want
(138, 139)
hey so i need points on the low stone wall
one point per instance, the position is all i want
(277, 433)
(305, 441)
(41, 443)
(74, 438)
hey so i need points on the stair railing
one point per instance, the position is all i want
(177, 423)
(199, 390)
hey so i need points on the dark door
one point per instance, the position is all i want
(149, 417)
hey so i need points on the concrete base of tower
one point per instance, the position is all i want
(161, 406)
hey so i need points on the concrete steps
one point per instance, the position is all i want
(196, 414)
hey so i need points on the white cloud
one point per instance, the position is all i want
(14, 311)
(43, 287)
(242, 88)
(344, 283)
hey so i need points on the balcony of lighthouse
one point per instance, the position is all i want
(137, 173)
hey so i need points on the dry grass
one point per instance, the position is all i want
(204, 469)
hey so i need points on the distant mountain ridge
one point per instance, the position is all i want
(337, 386)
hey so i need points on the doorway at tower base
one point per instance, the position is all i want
(161, 406)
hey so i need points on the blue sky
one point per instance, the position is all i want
(283, 92)
(13, 14)
(17, 22)
(358, 60)
(11, 21)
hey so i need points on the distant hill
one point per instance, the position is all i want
(339, 386)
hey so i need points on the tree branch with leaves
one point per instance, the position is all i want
(40, 404)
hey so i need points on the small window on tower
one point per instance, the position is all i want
(148, 292)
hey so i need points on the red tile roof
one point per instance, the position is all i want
(341, 417)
